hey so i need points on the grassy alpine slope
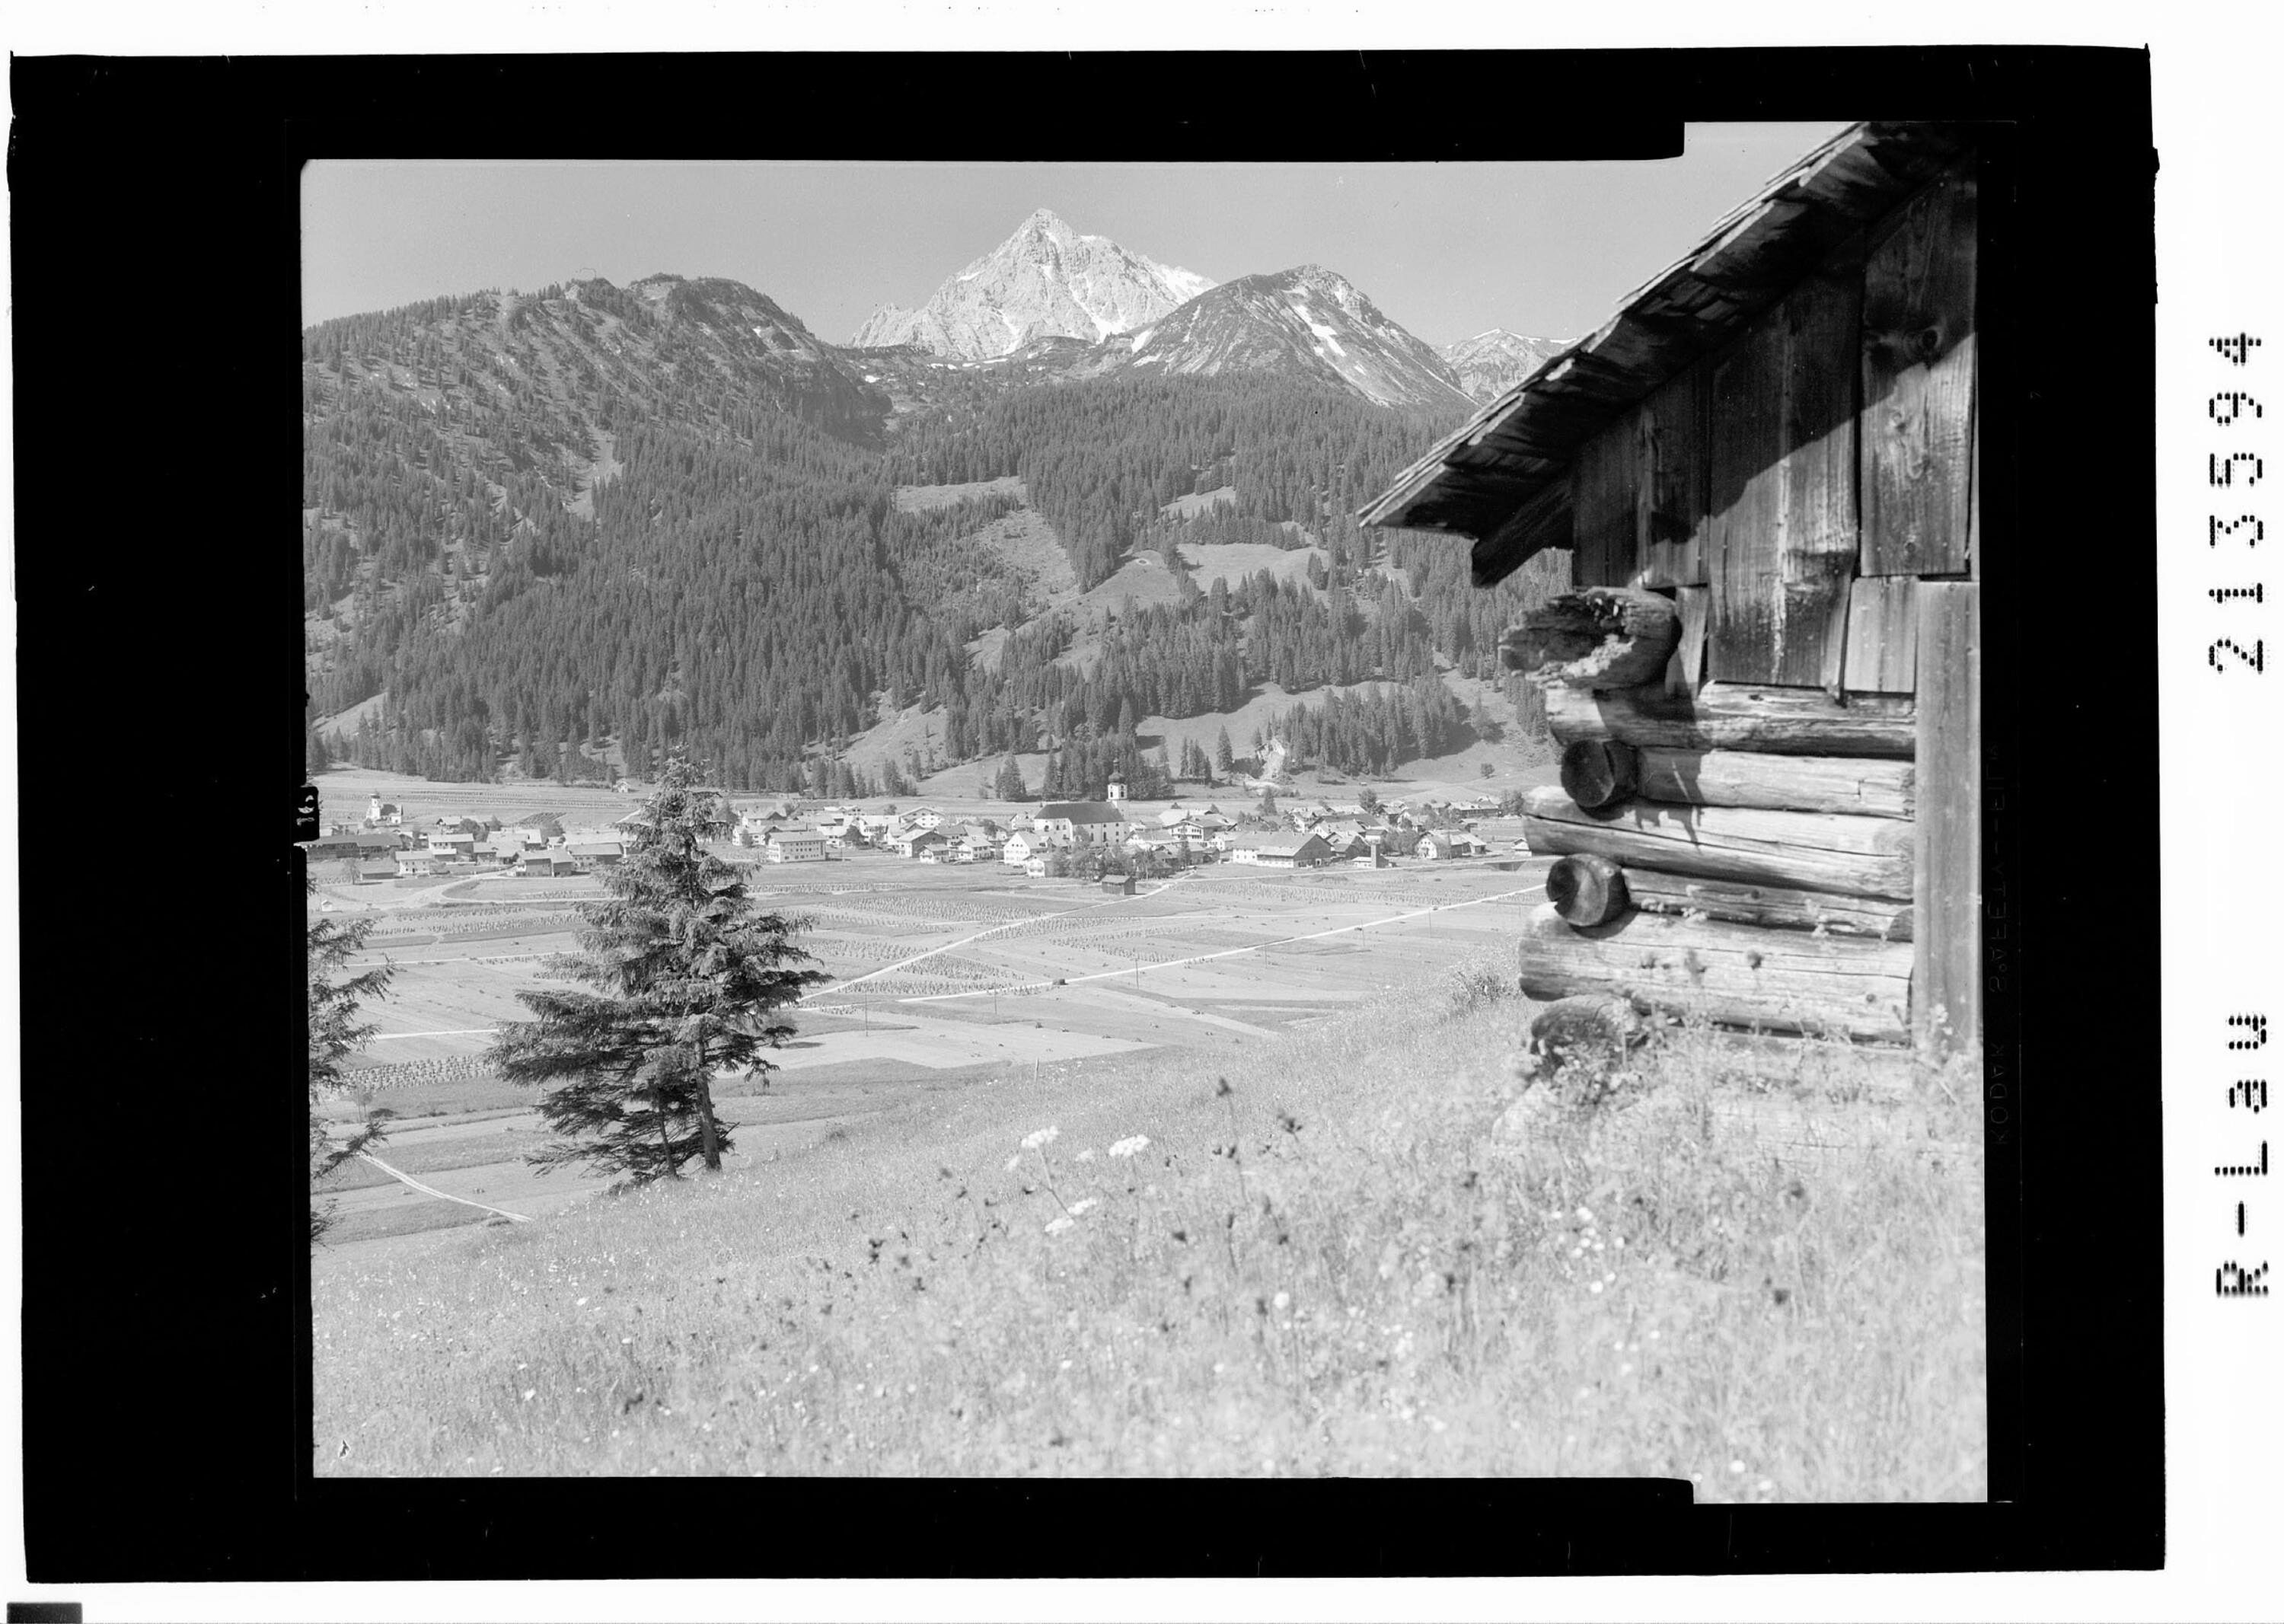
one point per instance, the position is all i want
(1358, 1261)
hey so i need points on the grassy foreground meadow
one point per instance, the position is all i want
(1370, 1253)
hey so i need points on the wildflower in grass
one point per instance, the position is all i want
(1130, 1146)
(1057, 1225)
(528, 1393)
(1736, 1466)
(1283, 1301)
(1014, 1161)
(1085, 1155)
(1043, 1136)
(1076, 1207)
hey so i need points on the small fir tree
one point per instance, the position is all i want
(335, 1034)
(687, 970)
(1011, 785)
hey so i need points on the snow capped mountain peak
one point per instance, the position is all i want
(1045, 281)
(1305, 320)
(1496, 359)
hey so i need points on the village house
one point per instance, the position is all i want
(923, 817)
(976, 842)
(457, 843)
(1081, 823)
(1435, 845)
(916, 843)
(1019, 850)
(387, 814)
(420, 861)
(1118, 884)
(792, 845)
(372, 868)
(1278, 850)
(1036, 868)
(598, 853)
(1765, 683)
(547, 863)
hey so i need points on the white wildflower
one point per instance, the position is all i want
(1076, 1207)
(1014, 1161)
(1058, 1226)
(1131, 1146)
(1045, 1135)
(1085, 1155)
(1282, 1302)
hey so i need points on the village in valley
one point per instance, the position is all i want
(961, 937)
(1111, 838)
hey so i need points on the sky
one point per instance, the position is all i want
(1446, 250)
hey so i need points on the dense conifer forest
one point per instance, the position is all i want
(577, 529)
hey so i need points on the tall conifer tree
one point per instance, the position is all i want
(687, 971)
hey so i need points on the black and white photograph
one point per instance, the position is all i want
(1293, 820)
(1400, 805)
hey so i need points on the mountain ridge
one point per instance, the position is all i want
(1494, 360)
(1045, 280)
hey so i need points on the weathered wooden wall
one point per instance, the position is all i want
(1786, 821)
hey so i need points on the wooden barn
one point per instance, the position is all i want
(1764, 677)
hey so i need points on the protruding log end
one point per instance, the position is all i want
(1587, 890)
(1599, 773)
(1602, 637)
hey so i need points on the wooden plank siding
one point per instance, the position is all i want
(1882, 635)
(1672, 516)
(1605, 517)
(1919, 383)
(1783, 487)
(1947, 863)
(1686, 670)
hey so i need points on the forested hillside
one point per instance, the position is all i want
(562, 532)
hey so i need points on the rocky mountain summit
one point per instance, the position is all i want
(1045, 281)
(1491, 362)
(1306, 320)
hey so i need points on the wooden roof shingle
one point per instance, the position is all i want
(1500, 477)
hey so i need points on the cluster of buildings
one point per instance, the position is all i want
(387, 847)
(1178, 835)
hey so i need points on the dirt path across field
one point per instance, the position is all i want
(994, 930)
(430, 1189)
(1200, 959)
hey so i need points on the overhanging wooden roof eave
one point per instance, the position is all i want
(1473, 480)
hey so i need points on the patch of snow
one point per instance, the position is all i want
(1141, 339)
(1330, 335)
(872, 377)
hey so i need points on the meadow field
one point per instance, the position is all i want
(939, 972)
(1352, 1249)
(1229, 1176)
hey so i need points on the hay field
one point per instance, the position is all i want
(945, 977)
